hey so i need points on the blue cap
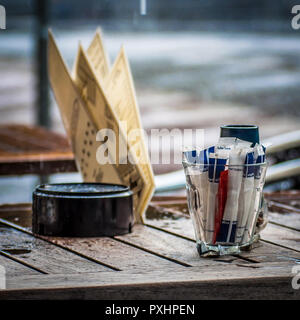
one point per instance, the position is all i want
(244, 132)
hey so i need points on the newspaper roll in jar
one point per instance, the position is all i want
(224, 188)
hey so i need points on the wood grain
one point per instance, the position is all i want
(42, 255)
(104, 250)
(109, 251)
(270, 281)
(13, 268)
(290, 220)
(266, 252)
(281, 236)
(18, 213)
(154, 261)
(167, 245)
(35, 150)
(17, 139)
(181, 226)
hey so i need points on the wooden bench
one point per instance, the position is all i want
(34, 150)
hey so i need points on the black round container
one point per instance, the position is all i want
(244, 132)
(82, 210)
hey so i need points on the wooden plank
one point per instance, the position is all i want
(266, 252)
(269, 281)
(261, 252)
(167, 245)
(283, 196)
(182, 226)
(35, 150)
(282, 207)
(281, 236)
(290, 220)
(13, 268)
(278, 235)
(46, 164)
(22, 139)
(115, 253)
(103, 249)
(18, 213)
(42, 255)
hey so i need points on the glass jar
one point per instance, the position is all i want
(225, 203)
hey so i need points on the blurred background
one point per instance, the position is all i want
(195, 63)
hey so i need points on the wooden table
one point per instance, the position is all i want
(157, 260)
(34, 150)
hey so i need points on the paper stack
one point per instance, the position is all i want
(98, 97)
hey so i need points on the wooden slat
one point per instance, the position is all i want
(105, 250)
(46, 164)
(34, 150)
(269, 281)
(167, 245)
(282, 207)
(42, 255)
(289, 220)
(18, 213)
(277, 235)
(30, 139)
(283, 196)
(281, 236)
(148, 274)
(262, 252)
(181, 226)
(285, 210)
(266, 252)
(13, 268)
(115, 253)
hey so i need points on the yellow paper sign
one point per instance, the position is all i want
(90, 111)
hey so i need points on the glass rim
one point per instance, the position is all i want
(189, 164)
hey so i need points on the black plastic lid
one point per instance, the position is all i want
(82, 210)
(81, 189)
(244, 132)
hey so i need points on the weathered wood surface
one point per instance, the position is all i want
(20, 213)
(13, 269)
(270, 281)
(181, 225)
(282, 236)
(156, 261)
(264, 251)
(106, 251)
(34, 150)
(166, 245)
(114, 253)
(42, 255)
